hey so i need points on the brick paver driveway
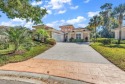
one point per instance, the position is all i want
(72, 60)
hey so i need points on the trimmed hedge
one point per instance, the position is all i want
(101, 39)
(114, 41)
(76, 40)
(109, 40)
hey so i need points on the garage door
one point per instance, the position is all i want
(58, 37)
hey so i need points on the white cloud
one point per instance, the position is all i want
(74, 7)
(62, 21)
(82, 25)
(49, 11)
(7, 23)
(54, 24)
(50, 24)
(86, 1)
(18, 22)
(35, 3)
(66, 1)
(29, 25)
(57, 4)
(76, 20)
(91, 14)
(42, 7)
(61, 11)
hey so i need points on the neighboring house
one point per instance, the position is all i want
(122, 33)
(53, 33)
(75, 33)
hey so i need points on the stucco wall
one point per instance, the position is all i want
(122, 34)
(83, 35)
(116, 34)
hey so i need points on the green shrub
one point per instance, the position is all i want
(101, 40)
(71, 39)
(111, 40)
(115, 41)
(122, 41)
(106, 42)
(50, 41)
(28, 46)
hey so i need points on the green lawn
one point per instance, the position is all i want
(114, 53)
(27, 55)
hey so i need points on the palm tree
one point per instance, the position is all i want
(119, 12)
(43, 34)
(18, 36)
(94, 23)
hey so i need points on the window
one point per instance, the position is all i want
(78, 36)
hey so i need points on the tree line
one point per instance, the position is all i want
(109, 18)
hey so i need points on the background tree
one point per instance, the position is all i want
(95, 22)
(22, 9)
(107, 19)
(119, 13)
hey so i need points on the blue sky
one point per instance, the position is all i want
(62, 12)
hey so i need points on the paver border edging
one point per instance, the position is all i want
(38, 76)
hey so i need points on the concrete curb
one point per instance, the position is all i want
(36, 78)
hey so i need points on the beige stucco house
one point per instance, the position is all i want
(66, 33)
(117, 33)
(75, 33)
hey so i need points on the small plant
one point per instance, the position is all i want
(50, 41)
(28, 46)
(71, 39)
(78, 40)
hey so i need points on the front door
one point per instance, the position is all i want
(78, 36)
